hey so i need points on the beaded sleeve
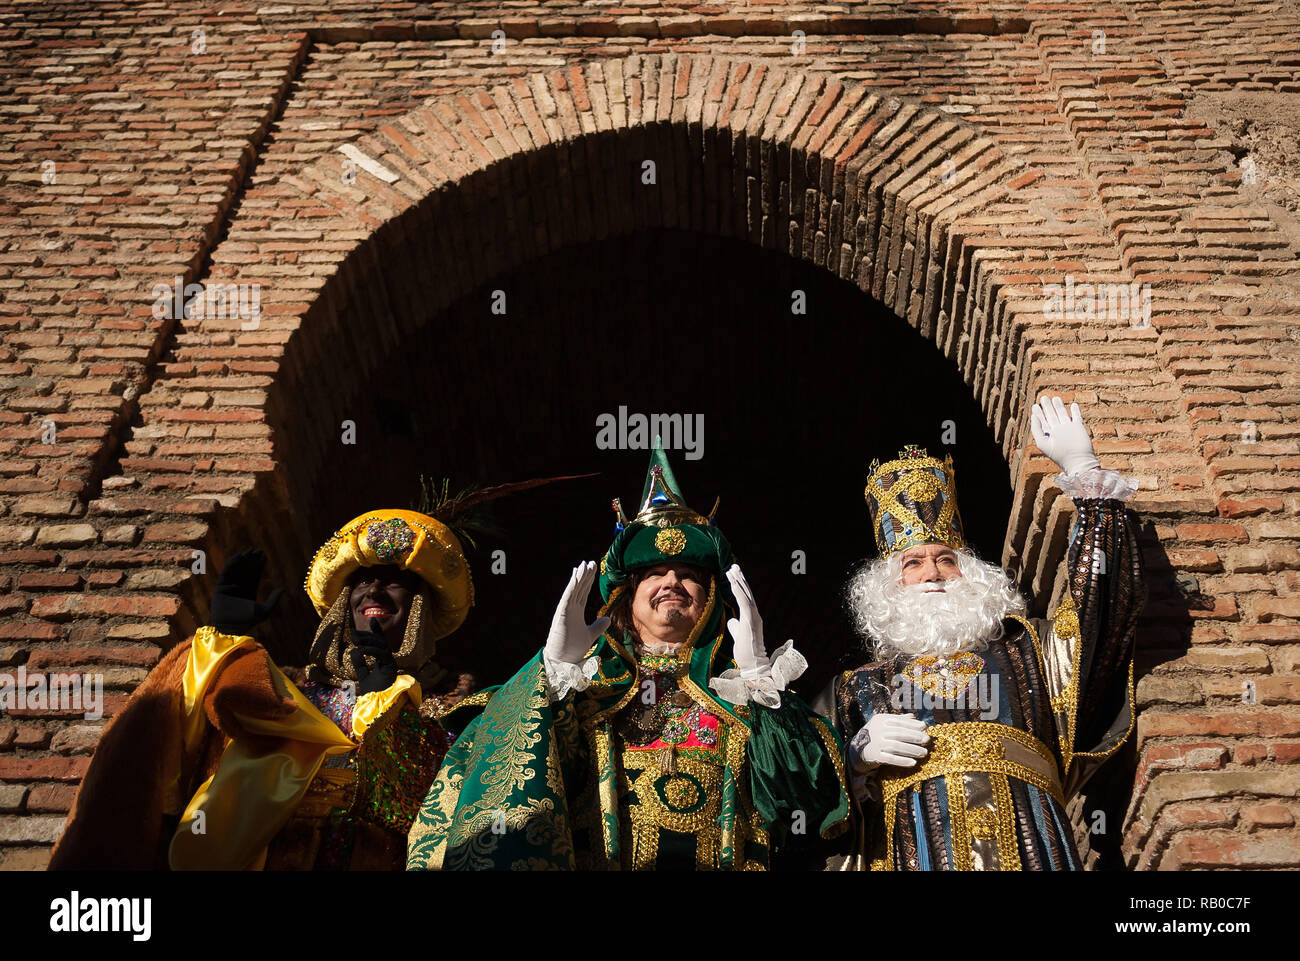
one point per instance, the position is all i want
(1088, 653)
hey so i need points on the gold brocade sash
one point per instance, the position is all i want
(975, 758)
(983, 747)
(331, 788)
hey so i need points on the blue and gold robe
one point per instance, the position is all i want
(1016, 728)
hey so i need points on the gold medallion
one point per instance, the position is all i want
(923, 487)
(670, 541)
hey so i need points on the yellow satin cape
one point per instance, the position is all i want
(235, 813)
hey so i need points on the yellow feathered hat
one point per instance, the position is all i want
(405, 539)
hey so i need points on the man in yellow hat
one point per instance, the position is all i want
(224, 760)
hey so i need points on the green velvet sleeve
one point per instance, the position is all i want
(794, 766)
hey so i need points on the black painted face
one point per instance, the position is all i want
(383, 593)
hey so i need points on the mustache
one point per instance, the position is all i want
(669, 593)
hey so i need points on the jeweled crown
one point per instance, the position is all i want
(913, 500)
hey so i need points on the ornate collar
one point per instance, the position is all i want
(945, 675)
(658, 662)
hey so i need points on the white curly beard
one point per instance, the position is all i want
(917, 620)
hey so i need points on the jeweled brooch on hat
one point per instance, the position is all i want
(670, 541)
(390, 539)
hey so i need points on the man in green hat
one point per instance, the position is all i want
(626, 743)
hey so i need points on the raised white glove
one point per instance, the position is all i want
(570, 636)
(897, 739)
(746, 629)
(1061, 435)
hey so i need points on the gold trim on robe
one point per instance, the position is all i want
(975, 759)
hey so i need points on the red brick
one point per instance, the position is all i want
(1193, 560)
(28, 557)
(1267, 608)
(1264, 816)
(1249, 753)
(1273, 633)
(46, 658)
(28, 631)
(187, 533)
(63, 606)
(1221, 849)
(1211, 533)
(1247, 507)
(1287, 752)
(43, 768)
(48, 581)
(1261, 722)
(31, 738)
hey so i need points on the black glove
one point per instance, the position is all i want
(235, 607)
(384, 673)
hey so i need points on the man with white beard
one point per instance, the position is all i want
(973, 726)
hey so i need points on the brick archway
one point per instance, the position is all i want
(924, 212)
(918, 210)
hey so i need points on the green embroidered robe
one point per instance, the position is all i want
(532, 784)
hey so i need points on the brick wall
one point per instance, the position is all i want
(949, 159)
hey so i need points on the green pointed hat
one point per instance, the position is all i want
(664, 529)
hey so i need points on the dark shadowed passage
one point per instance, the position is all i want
(793, 407)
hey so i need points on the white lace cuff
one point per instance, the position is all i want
(737, 688)
(1097, 483)
(565, 678)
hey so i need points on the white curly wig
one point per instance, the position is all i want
(907, 621)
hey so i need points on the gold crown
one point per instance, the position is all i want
(913, 500)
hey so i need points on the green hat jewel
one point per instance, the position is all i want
(664, 529)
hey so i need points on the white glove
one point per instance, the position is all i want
(570, 637)
(1061, 435)
(747, 629)
(897, 739)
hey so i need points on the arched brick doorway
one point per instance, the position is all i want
(913, 208)
(787, 410)
(917, 209)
